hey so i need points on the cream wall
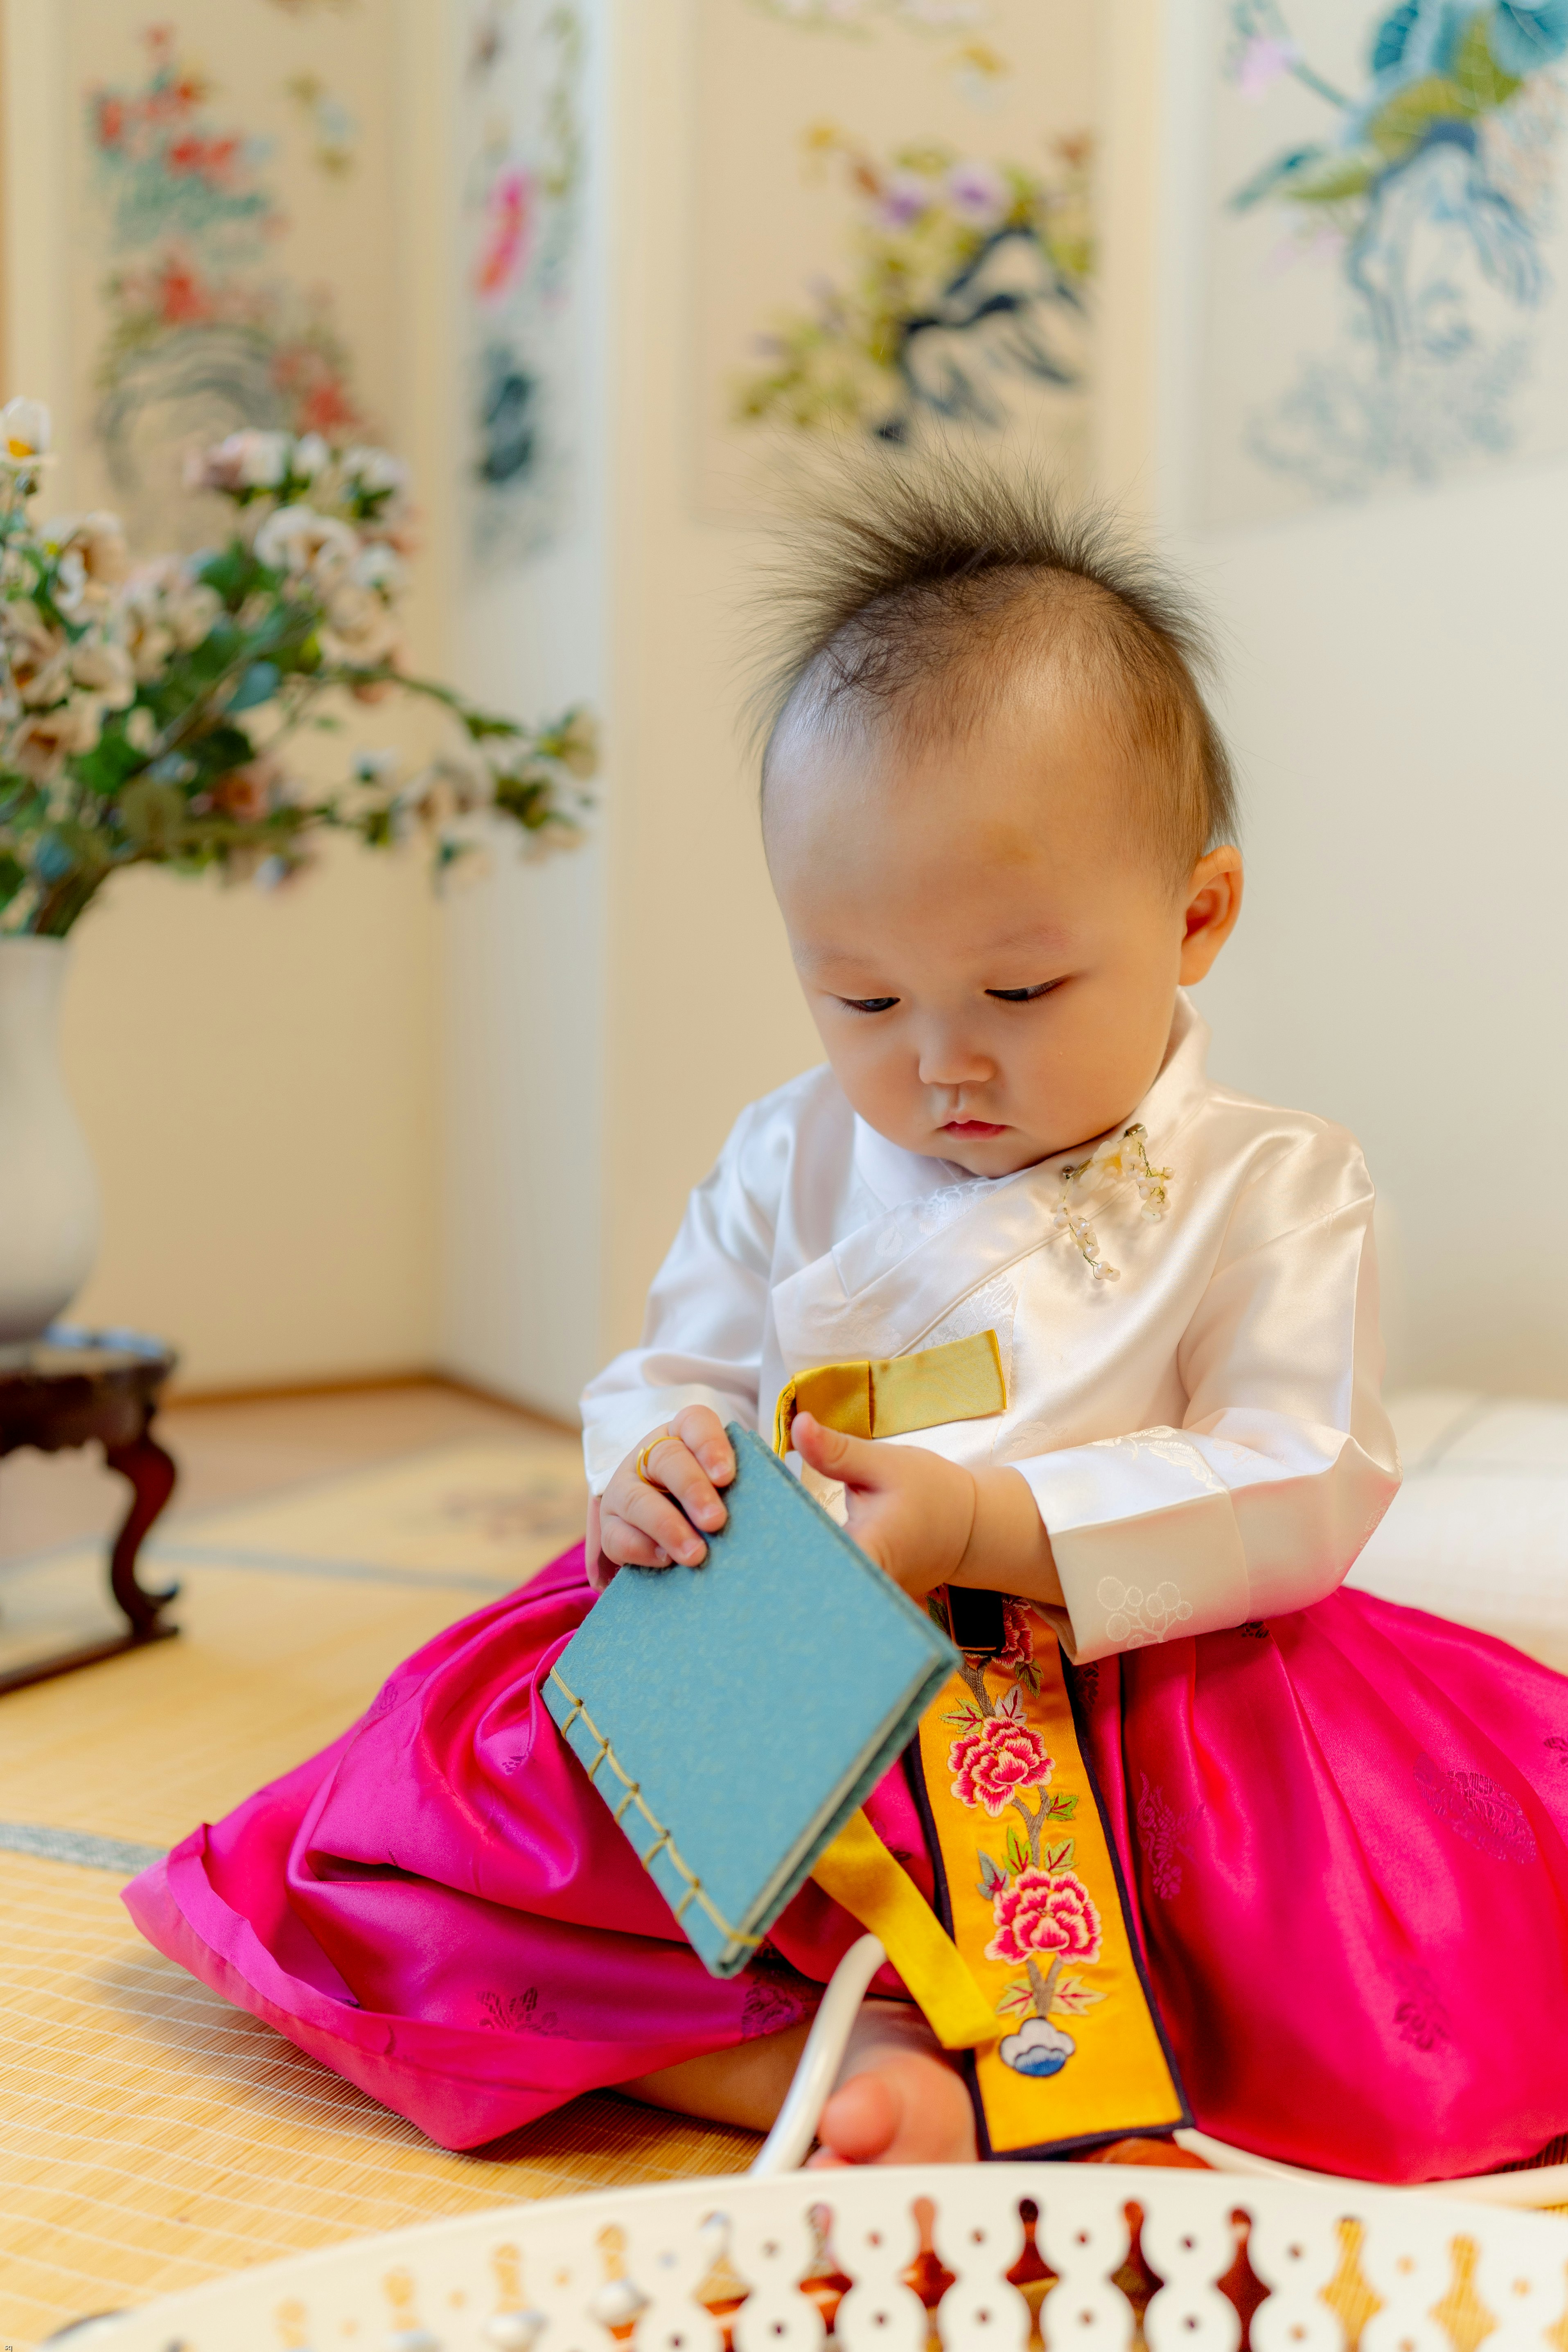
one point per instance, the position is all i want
(1397, 701)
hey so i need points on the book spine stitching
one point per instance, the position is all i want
(663, 1842)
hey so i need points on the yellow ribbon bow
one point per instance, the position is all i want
(890, 1397)
(858, 1871)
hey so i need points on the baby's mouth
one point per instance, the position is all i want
(972, 1128)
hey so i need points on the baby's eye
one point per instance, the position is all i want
(1023, 995)
(869, 1004)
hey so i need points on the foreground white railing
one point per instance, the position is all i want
(774, 2263)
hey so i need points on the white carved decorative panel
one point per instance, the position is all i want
(661, 2270)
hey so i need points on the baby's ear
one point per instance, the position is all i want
(1212, 908)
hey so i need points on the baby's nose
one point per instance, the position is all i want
(954, 1062)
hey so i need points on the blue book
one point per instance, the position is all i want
(733, 1715)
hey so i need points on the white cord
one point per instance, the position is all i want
(1546, 2185)
(788, 2144)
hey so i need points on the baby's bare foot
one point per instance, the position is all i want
(906, 2109)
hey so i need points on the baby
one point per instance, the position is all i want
(1000, 824)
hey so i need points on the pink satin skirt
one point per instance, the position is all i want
(1346, 1831)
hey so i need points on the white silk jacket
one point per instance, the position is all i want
(1202, 1431)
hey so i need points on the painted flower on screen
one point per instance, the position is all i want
(512, 209)
(979, 194)
(966, 288)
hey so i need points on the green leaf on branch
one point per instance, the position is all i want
(69, 848)
(23, 807)
(1061, 1809)
(1016, 1850)
(151, 814)
(219, 651)
(526, 798)
(12, 877)
(480, 724)
(105, 769)
(221, 750)
(53, 860)
(575, 743)
(233, 571)
(257, 683)
(1059, 1856)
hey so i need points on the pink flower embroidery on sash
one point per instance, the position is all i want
(1018, 1640)
(1040, 1907)
(1044, 1911)
(993, 1761)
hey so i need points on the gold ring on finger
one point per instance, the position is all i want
(643, 1457)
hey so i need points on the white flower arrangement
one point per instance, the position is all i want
(146, 709)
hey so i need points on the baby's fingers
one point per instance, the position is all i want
(699, 1428)
(676, 1468)
(624, 1546)
(651, 1511)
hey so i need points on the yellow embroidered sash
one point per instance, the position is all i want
(1029, 1887)
(1032, 1968)
(960, 1381)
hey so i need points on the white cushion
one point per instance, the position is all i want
(1479, 1530)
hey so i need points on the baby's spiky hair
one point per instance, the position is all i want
(913, 599)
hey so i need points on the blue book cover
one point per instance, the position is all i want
(733, 1715)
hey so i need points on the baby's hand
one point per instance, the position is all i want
(908, 1511)
(639, 1525)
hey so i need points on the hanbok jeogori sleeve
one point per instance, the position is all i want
(1285, 1461)
(702, 1331)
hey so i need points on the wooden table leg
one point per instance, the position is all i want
(152, 1475)
(81, 1388)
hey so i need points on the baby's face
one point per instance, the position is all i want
(990, 953)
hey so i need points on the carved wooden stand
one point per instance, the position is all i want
(71, 1388)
